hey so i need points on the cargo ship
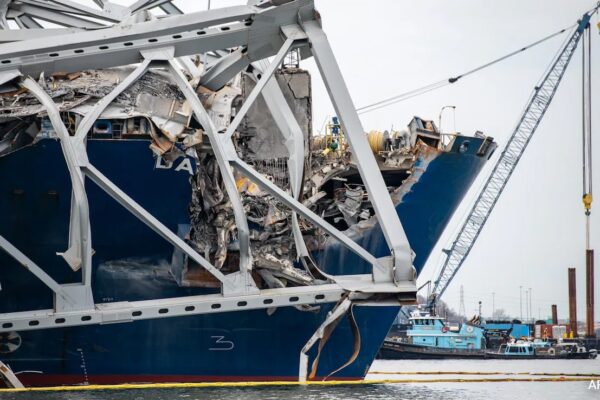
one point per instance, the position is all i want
(148, 141)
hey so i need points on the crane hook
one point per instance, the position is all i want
(587, 203)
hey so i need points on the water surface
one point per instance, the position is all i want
(381, 370)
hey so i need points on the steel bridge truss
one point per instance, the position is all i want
(258, 31)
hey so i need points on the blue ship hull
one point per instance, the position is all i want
(131, 262)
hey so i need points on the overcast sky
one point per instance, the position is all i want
(387, 47)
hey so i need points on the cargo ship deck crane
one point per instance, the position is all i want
(495, 184)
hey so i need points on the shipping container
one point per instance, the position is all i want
(550, 331)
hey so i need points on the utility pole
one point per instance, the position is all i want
(521, 302)
(493, 303)
(531, 306)
(479, 308)
(526, 304)
(461, 309)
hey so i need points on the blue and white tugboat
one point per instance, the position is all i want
(433, 337)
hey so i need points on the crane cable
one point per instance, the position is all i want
(591, 12)
(587, 129)
(445, 82)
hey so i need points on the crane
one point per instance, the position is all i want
(536, 108)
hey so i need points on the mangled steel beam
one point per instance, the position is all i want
(294, 141)
(258, 89)
(86, 124)
(229, 180)
(75, 156)
(403, 269)
(127, 202)
(253, 32)
(298, 207)
(188, 34)
(225, 69)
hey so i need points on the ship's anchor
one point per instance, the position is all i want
(323, 333)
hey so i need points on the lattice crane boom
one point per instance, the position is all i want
(535, 110)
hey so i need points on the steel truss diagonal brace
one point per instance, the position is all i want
(69, 297)
(73, 254)
(122, 198)
(226, 173)
(257, 89)
(147, 5)
(70, 7)
(64, 19)
(74, 158)
(102, 181)
(88, 121)
(286, 123)
(301, 209)
(225, 68)
(363, 157)
(225, 147)
(26, 22)
(294, 142)
(34, 269)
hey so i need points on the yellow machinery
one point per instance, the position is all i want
(333, 140)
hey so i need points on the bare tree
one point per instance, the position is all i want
(500, 314)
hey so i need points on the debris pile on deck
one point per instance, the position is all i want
(153, 108)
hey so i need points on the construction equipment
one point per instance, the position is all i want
(535, 110)
(586, 78)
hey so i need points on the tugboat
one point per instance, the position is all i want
(432, 337)
(518, 351)
(574, 350)
(531, 350)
